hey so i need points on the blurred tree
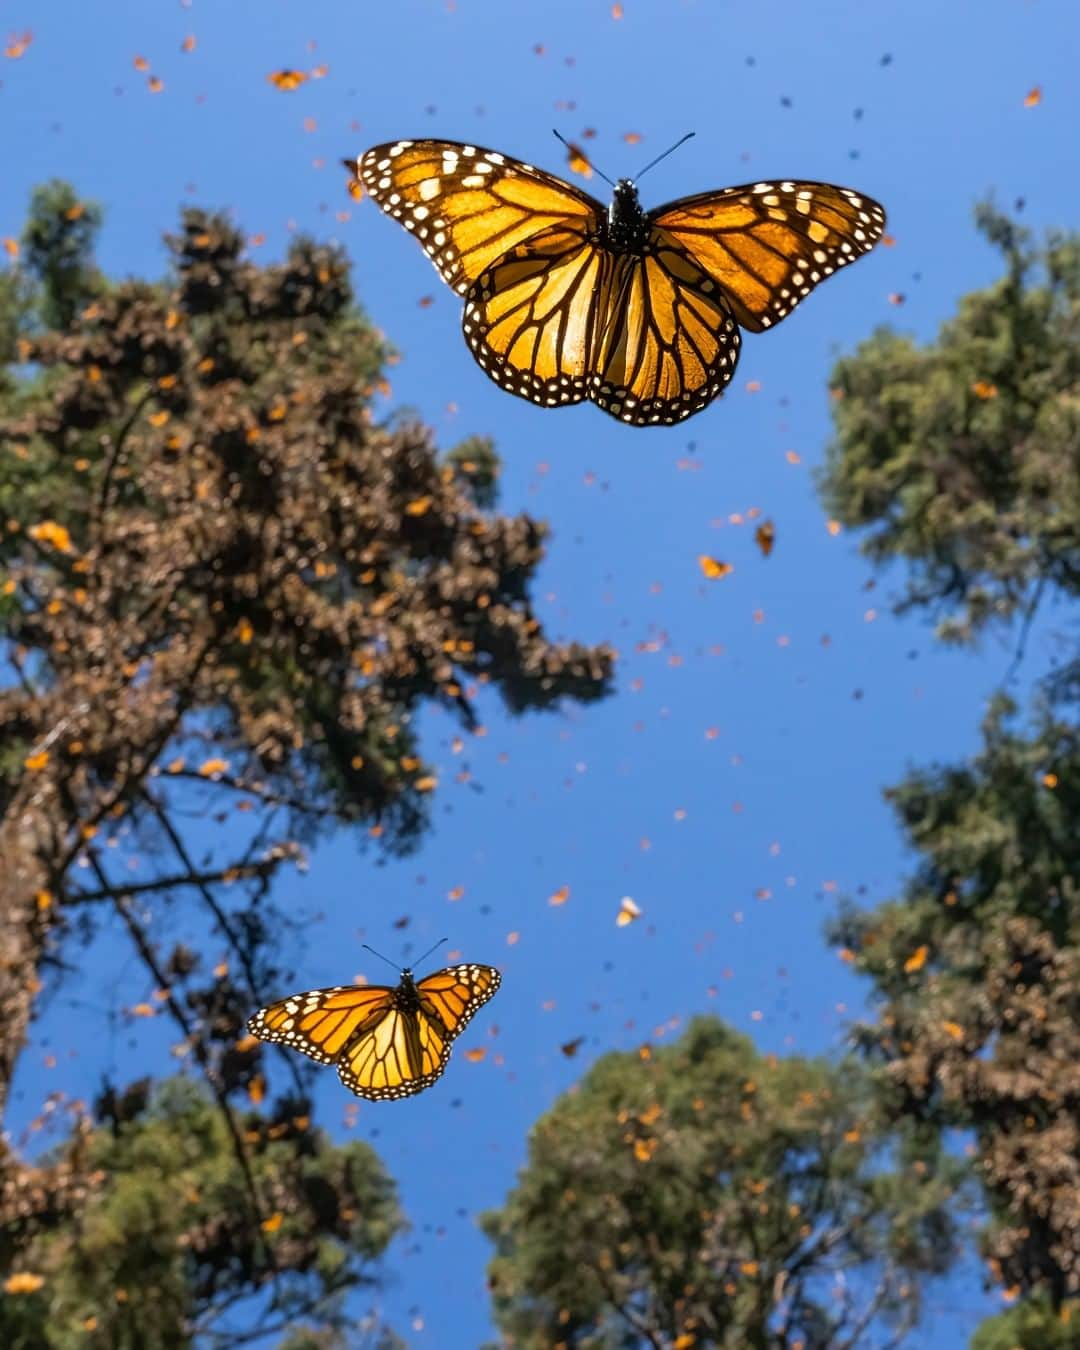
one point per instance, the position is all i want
(706, 1195)
(163, 1248)
(15, 310)
(476, 465)
(58, 246)
(1032, 1325)
(963, 457)
(226, 590)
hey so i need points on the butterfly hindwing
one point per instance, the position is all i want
(530, 318)
(668, 343)
(649, 339)
(467, 206)
(405, 1053)
(769, 244)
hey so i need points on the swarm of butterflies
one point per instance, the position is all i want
(639, 312)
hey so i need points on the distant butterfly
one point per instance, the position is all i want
(637, 311)
(387, 1041)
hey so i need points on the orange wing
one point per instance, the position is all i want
(384, 1046)
(530, 319)
(668, 343)
(650, 340)
(322, 1022)
(401, 1055)
(466, 205)
(770, 244)
(454, 994)
(408, 1050)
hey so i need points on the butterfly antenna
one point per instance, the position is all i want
(420, 960)
(381, 957)
(658, 158)
(575, 151)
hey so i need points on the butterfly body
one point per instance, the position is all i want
(637, 310)
(387, 1041)
(627, 226)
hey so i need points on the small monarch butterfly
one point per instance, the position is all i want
(387, 1041)
(638, 311)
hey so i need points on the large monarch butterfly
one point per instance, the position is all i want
(637, 311)
(387, 1041)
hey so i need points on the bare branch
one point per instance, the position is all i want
(128, 890)
(149, 959)
(628, 1315)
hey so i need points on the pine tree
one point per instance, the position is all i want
(702, 1194)
(167, 1242)
(963, 458)
(227, 588)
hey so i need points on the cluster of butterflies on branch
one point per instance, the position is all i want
(566, 300)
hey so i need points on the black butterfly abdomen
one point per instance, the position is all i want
(625, 227)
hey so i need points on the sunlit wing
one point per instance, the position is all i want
(466, 205)
(321, 1022)
(770, 244)
(454, 994)
(669, 342)
(529, 319)
(402, 1054)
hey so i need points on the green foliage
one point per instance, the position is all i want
(197, 479)
(15, 307)
(963, 456)
(976, 969)
(225, 588)
(705, 1194)
(1031, 1325)
(169, 1237)
(476, 465)
(58, 243)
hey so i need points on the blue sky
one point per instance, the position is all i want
(770, 708)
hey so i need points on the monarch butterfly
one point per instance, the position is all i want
(387, 1041)
(638, 311)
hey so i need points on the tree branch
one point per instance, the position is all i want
(154, 748)
(627, 1314)
(1025, 630)
(127, 891)
(146, 952)
(263, 794)
(114, 458)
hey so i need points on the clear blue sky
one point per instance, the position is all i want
(918, 104)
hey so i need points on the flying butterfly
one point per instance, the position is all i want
(638, 311)
(387, 1041)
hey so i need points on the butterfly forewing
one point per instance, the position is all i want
(454, 994)
(467, 206)
(321, 1022)
(769, 244)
